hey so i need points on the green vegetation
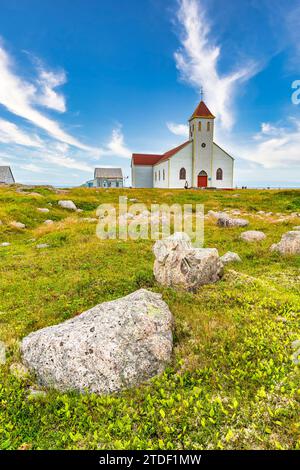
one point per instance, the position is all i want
(232, 383)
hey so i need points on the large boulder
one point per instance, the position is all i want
(70, 205)
(225, 221)
(289, 243)
(115, 345)
(230, 257)
(253, 236)
(178, 264)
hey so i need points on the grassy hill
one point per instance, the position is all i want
(232, 383)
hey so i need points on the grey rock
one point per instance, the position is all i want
(113, 346)
(5, 244)
(43, 209)
(289, 243)
(230, 257)
(49, 222)
(17, 224)
(225, 221)
(70, 205)
(2, 353)
(253, 236)
(178, 264)
(36, 394)
(18, 370)
(42, 245)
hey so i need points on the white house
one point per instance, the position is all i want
(198, 163)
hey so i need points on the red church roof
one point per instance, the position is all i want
(202, 111)
(152, 159)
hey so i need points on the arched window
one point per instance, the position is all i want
(199, 126)
(155, 175)
(219, 174)
(164, 175)
(182, 174)
(208, 126)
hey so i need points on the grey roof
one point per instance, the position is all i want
(6, 175)
(108, 173)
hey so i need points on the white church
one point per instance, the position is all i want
(197, 163)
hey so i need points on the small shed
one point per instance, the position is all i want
(6, 176)
(108, 178)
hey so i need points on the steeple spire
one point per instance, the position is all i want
(202, 111)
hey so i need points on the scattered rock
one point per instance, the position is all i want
(225, 221)
(43, 209)
(17, 225)
(5, 244)
(296, 354)
(36, 394)
(230, 257)
(2, 353)
(253, 236)
(79, 210)
(216, 215)
(289, 243)
(68, 205)
(113, 346)
(178, 264)
(49, 222)
(42, 245)
(19, 370)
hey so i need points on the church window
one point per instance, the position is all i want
(203, 145)
(208, 126)
(164, 175)
(155, 176)
(159, 175)
(199, 126)
(182, 174)
(219, 174)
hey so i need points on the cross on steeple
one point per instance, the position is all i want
(201, 93)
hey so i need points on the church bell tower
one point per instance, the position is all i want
(201, 128)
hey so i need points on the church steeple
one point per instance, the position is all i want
(202, 111)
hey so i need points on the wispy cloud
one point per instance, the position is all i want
(10, 133)
(178, 129)
(197, 60)
(49, 97)
(20, 97)
(116, 145)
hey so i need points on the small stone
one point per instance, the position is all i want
(49, 222)
(225, 221)
(253, 236)
(17, 225)
(68, 205)
(230, 257)
(42, 245)
(18, 370)
(43, 209)
(5, 244)
(36, 394)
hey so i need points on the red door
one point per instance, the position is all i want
(202, 181)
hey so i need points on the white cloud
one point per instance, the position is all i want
(198, 58)
(116, 146)
(19, 98)
(48, 97)
(10, 133)
(32, 168)
(67, 162)
(178, 129)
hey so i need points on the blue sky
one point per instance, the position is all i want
(85, 84)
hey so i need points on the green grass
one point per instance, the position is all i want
(232, 383)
